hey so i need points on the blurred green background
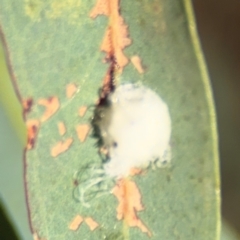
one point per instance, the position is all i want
(218, 25)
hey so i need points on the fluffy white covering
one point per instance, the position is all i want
(140, 126)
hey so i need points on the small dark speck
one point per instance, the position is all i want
(31, 142)
(75, 182)
(200, 180)
(164, 162)
(168, 178)
(142, 22)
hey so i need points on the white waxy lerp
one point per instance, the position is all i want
(139, 129)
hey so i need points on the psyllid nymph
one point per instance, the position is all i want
(135, 128)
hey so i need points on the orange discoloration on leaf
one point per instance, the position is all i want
(27, 104)
(61, 128)
(106, 45)
(135, 171)
(71, 90)
(104, 150)
(61, 147)
(52, 105)
(82, 131)
(129, 197)
(101, 8)
(91, 223)
(137, 62)
(75, 223)
(32, 130)
(36, 237)
(82, 110)
(116, 36)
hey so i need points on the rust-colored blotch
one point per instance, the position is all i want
(115, 40)
(82, 131)
(60, 147)
(104, 151)
(82, 110)
(92, 224)
(101, 8)
(32, 130)
(75, 223)
(71, 89)
(27, 105)
(116, 36)
(36, 237)
(129, 198)
(51, 104)
(61, 128)
(137, 63)
(135, 171)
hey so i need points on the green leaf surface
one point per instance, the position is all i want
(54, 43)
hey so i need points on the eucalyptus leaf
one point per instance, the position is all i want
(53, 43)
